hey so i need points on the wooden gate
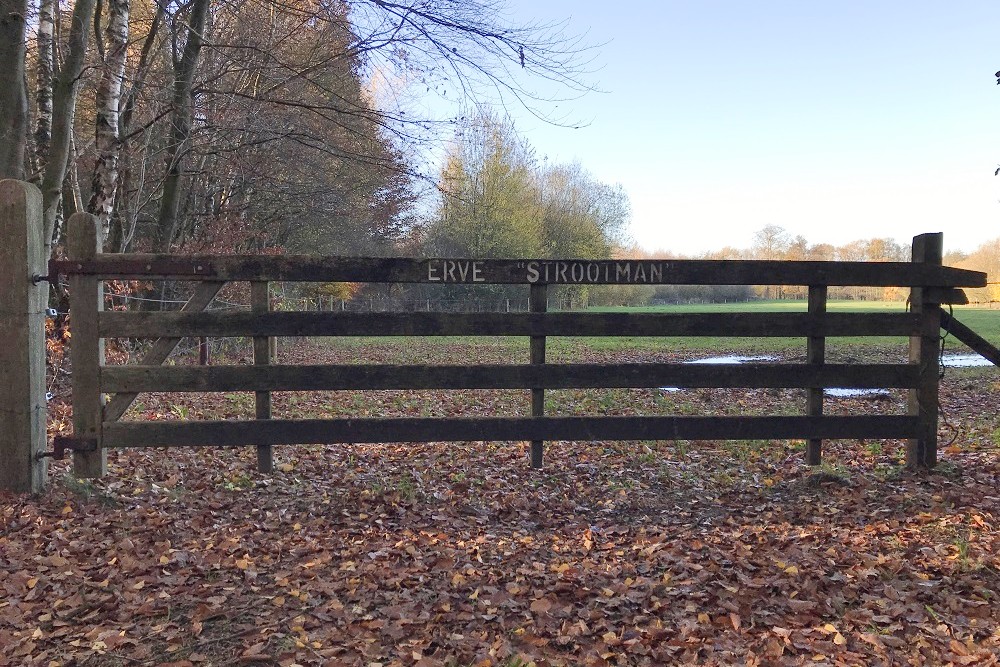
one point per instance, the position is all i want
(98, 426)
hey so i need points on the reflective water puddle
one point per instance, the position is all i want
(733, 359)
(840, 392)
(950, 361)
(730, 359)
(965, 360)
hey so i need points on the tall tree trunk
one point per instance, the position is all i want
(43, 78)
(64, 90)
(105, 179)
(180, 131)
(13, 93)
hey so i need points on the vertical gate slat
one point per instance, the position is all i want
(538, 303)
(815, 354)
(260, 302)
(83, 242)
(924, 351)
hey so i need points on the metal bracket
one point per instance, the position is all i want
(61, 443)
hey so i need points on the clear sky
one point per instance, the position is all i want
(835, 120)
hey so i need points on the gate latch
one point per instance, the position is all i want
(61, 443)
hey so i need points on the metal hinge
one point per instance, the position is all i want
(61, 443)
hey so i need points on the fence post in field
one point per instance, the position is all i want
(815, 354)
(538, 303)
(83, 241)
(22, 330)
(924, 351)
(260, 302)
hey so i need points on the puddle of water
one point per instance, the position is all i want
(965, 360)
(950, 360)
(730, 359)
(844, 392)
(733, 359)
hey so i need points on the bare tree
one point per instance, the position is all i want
(262, 119)
(64, 92)
(105, 178)
(185, 66)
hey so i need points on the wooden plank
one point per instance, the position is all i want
(230, 323)
(319, 431)
(311, 268)
(538, 302)
(975, 342)
(924, 354)
(260, 302)
(22, 330)
(83, 241)
(946, 295)
(501, 376)
(815, 355)
(161, 349)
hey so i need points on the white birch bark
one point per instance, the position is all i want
(108, 101)
(43, 78)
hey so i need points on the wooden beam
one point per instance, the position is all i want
(311, 268)
(83, 242)
(975, 342)
(327, 431)
(815, 355)
(260, 302)
(161, 349)
(538, 302)
(924, 354)
(502, 376)
(756, 325)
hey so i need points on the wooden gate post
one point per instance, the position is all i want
(22, 330)
(538, 303)
(83, 241)
(924, 351)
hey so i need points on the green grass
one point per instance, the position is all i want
(984, 321)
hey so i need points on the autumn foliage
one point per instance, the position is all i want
(633, 553)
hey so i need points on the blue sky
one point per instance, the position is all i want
(837, 121)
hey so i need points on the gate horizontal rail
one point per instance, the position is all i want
(468, 429)
(503, 376)
(312, 268)
(243, 323)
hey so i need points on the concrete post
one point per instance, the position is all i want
(22, 339)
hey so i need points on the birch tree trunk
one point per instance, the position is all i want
(13, 93)
(45, 71)
(65, 84)
(105, 179)
(180, 132)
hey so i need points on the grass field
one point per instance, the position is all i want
(984, 321)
